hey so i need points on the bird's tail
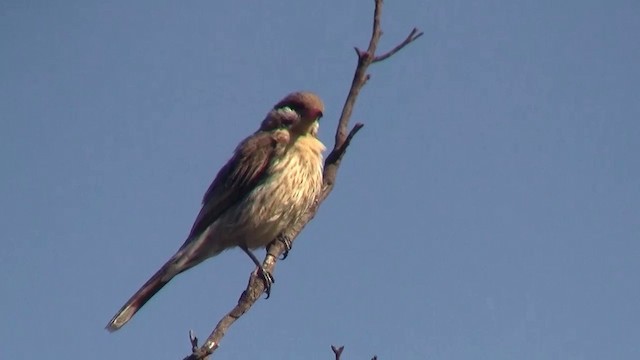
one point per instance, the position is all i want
(146, 292)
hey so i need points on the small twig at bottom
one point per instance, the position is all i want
(337, 351)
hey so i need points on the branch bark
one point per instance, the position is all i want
(343, 138)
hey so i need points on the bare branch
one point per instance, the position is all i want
(193, 339)
(336, 156)
(343, 138)
(411, 38)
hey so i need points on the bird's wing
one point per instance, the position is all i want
(236, 179)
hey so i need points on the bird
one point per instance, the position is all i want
(272, 179)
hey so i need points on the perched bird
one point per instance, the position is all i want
(272, 179)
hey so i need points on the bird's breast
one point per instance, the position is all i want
(293, 181)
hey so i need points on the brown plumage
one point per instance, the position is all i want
(272, 179)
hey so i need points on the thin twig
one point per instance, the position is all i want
(337, 351)
(411, 38)
(255, 287)
(335, 156)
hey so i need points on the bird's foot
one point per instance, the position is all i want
(267, 278)
(287, 245)
(265, 275)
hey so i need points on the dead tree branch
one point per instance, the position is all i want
(343, 138)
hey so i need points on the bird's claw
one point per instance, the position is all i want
(287, 245)
(268, 280)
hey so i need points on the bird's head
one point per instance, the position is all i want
(298, 112)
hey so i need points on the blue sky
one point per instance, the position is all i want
(490, 209)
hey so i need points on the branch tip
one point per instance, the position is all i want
(413, 36)
(193, 339)
(354, 130)
(337, 351)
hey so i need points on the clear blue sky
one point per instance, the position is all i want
(490, 209)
